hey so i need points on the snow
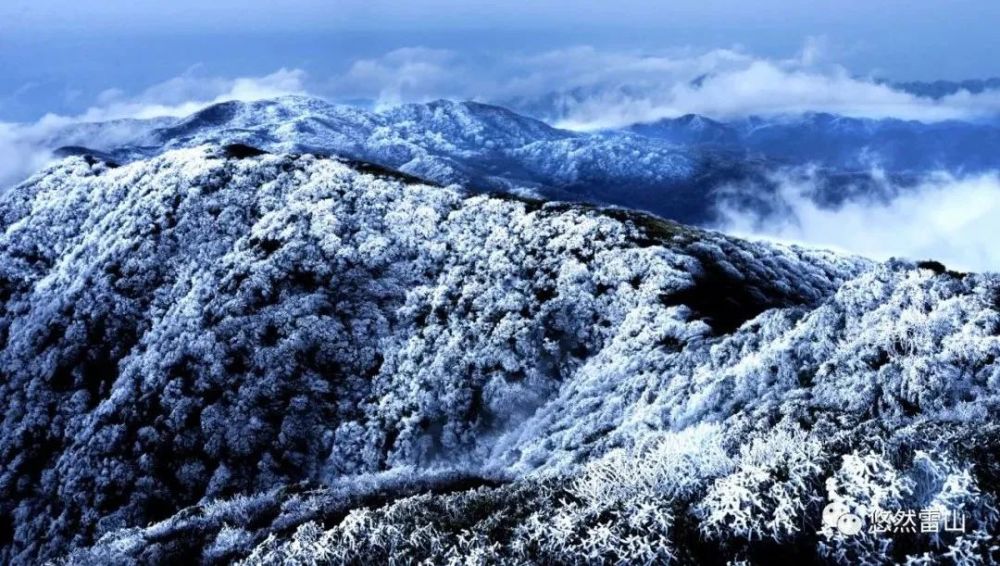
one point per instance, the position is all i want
(285, 358)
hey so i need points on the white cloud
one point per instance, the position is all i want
(945, 218)
(25, 148)
(190, 92)
(18, 159)
(760, 87)
(402, 75)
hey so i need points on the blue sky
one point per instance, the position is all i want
(60, 56)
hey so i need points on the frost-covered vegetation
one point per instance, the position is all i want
(228, 355)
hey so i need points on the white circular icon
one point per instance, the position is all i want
(833, 512)
(838, 516)
(849, 524)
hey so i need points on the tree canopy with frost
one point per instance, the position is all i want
(288, 358)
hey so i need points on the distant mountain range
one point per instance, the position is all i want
(678, 168)
(940, 89)
(841, 142)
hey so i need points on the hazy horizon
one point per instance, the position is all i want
(61, 57)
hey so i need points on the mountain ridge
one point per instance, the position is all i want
(680, 175)
(448, 142)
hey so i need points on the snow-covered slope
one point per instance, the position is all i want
(332, 362)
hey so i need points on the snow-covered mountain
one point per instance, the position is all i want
(224, 354)
(681, 169)
(481, 146)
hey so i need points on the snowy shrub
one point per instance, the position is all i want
(771, 487)
(665, 467)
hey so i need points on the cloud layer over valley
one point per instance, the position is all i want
(943, 217)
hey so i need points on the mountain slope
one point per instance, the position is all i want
(216, 326)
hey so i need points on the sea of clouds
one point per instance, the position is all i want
(943, 217)
(589, 89)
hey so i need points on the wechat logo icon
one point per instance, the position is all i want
(839, 517)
